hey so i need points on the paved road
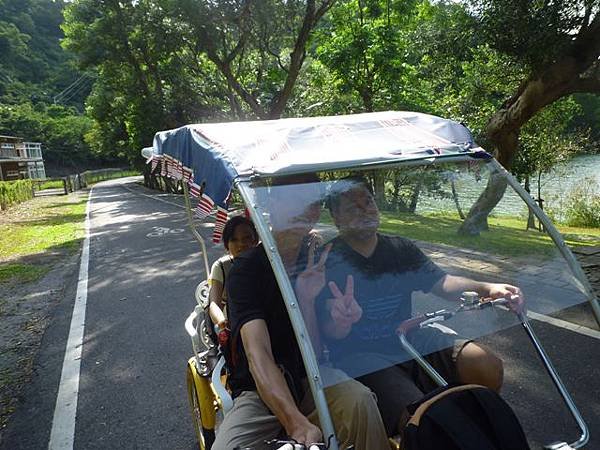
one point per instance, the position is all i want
(141, 283)
(132, 388)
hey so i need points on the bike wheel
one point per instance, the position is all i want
(204, 436)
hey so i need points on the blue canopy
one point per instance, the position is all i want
(211, 156)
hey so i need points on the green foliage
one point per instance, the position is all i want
(588, 118)
(12, 192)
(34, 66)
(59, 128)
(360, 47)
(21, 273)
(51, 224)
(148, 77)
(546, 140)
(55, 184)
(583, 205)
(160, 64)
(35, 72)
(535, 32)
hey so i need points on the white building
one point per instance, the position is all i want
(20, 159)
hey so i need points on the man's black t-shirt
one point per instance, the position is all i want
(254, 294)
(383, 285)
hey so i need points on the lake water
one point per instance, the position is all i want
(555, 187)
(564, 178)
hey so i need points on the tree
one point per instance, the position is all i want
(142, 85)
(545, 143)
(60, 129)
(363, 44)
(559, 42)
(258, 47)
(34, 71)
(34, 66)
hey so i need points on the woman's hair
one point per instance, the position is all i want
(232, 224)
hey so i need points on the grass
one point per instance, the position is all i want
(506, 235)
(37, 228)
(21, 273)
(92, 179)
(55, 184)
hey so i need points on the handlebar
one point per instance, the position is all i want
(287, 445)
(468, 301)
(291, 444)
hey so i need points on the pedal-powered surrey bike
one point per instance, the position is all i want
(388, 195)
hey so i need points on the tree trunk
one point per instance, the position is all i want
(379, 188)
(456, 202)
(487, 201)
(530, 215)
(414, 198)
(476, 220)
(540, 200)
(576, 70)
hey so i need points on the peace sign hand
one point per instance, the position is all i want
(312, 279)
(345, 310)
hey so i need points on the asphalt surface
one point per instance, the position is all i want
(132, 391)
(144, 266)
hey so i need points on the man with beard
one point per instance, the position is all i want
(380, 273)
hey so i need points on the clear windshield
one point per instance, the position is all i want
(366, 252)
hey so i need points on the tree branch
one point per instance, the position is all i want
(311, 17)
(244, 34)
(277, 57)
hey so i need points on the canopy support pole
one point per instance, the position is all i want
(556, 237)
(200, 239)
(302, 336)
(585, 434)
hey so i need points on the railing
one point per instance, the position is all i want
(77, 181)
(9, 153)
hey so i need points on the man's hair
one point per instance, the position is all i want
(341, 187)
(232, 224)
(298, 178)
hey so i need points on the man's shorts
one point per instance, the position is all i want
(397, 384)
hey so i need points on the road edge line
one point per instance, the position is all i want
(580, 329)
(62, 435)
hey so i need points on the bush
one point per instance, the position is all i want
(94, 176)
(12, 192)
(583, 204)
(55, 184)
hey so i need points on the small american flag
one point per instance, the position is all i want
(167, 162)
(187, 174)
(170, 164)
(195, 190)
(153, 164)
(205, 206)
(178, 170)
(219, 224)
(163, 167)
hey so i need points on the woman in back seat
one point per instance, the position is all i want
(239, 235)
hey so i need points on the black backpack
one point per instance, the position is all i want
(465, 417)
